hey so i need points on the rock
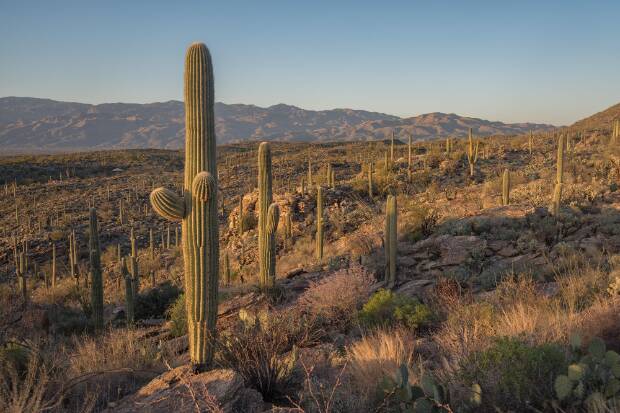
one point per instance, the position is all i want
(415, 288)
(180, 391)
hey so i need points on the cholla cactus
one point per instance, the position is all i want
(559, 178)
(319, 223)
(506, 187)
(264, 203)
(197, 207)
(96, 286)
(472, 153)
(390, 240)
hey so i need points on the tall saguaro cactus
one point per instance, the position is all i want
(506, 187)
(271, 226)
(197, 208)
(391, 221)
(264, 202)
(472, 153)
(319, 223)
(96, 285)
(559, 178)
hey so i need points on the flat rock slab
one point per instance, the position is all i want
(180, 391)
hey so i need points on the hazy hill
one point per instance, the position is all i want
(44, 124)
(599, 121)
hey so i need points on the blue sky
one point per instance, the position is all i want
(543, 61)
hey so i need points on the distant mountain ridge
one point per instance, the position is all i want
(45, 124)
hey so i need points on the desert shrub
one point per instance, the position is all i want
(24, 388)
(336, 298)
(379, 355)
(386, 308)
(513, 375)
(177, 314)
(68, 320)
(262, 348)
(154, 302)
(418, 222)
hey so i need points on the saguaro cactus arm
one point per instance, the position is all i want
(168, 204)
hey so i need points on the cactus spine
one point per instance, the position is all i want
(265, 217)
(197, 208)
(506, 187)
(472, 153)
(319, 223)
(96, 285)
(390, 240)
(559, 177)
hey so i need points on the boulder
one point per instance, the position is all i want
(181, 391)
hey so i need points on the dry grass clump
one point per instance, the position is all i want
(380, 355)
(336, 298)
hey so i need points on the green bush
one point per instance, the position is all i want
(386, 308)
(178, 317)
(513, 375)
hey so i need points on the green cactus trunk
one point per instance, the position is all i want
(328, 175)
(273, 216)
(129, 296)
(530, 142)
(506, 187)
(96, 284)
(409, 158)
(559, 178)
(391, 221)
(264, 202)
(386, 165)
(309, 173)
(53, 265)
(197, 209)
(319, 223)
(370, 188)
(240, 223)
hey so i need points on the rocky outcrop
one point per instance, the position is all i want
(181, 391)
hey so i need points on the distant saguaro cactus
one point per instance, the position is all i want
(319, 223)
(328, 175)
(391, 221)
(129, 296)
(240, 223)
(392, 149)
(559, 177)
(264, 202)
(309, 173)
(409, 155)
(96, 284)
(197, 208)
(506, 187)
(53, 265)
(472, 153)
(370, 188)
(530, 142)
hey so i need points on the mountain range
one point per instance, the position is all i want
(33, 124)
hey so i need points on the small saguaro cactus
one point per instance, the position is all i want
(264, 201)
(21, 277)
(370, 189)
(472, 153)
(392, 148)
(506, 187)
(53, 265)
(227, 270)
(197, 208)
(391, 221)
(96, 284)
(240, 223)
(309, 173)
(319, 223)
(559, 178)
(328, 175)
(448, 146)
(151, 243)
(129, 296)
(530, 142)
(409, 155)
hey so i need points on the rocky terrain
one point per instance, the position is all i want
(39, 125)
(498, 293)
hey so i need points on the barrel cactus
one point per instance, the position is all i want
(197, 207)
